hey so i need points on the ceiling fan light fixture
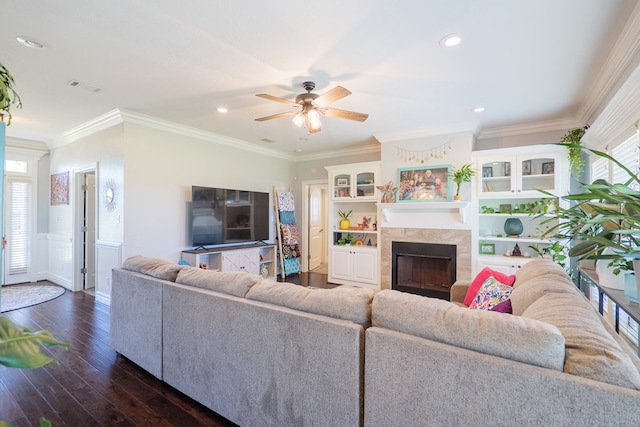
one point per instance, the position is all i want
(314, 119)
(298, 120)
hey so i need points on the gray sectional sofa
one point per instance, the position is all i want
(263, 353)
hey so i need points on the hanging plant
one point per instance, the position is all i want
(576, 161)
(8, 95)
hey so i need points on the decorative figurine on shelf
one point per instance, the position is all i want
(388, 193)
(203, 266)
(365, 222)
(516, 251)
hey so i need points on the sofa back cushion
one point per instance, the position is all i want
(533, 284)
(154, 267)
(236, 283)
(591, 352)
(347, 303)
(511, 337)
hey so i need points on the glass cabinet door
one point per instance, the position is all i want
(342, 186)
(365, 184)
(496, 177)
(537, 173)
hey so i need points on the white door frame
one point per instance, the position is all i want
(304, 266)
(78, 220)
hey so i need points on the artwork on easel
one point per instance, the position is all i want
(60, 188)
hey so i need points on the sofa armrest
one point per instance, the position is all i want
(459, 290)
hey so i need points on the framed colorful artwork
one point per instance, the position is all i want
(60, 188)
(424, 184)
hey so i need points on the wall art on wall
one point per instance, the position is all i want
(424, 184)
(60, 188)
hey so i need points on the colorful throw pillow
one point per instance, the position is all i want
(491, 293)
(481, 277)
(503, 307)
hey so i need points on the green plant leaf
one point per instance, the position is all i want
(21, 348)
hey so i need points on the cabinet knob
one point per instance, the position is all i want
(512, 191)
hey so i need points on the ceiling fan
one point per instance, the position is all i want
(312, 106)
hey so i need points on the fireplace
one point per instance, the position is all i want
(427, 269)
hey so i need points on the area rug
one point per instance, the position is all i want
(15, 297)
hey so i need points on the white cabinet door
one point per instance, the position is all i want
(341, 263)
(246, 260)
(365, 268)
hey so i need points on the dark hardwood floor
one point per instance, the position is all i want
(93, 385)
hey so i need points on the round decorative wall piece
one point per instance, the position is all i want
(110, 195)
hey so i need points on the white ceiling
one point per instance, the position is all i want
(525, 61)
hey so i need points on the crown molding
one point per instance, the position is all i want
(529, 128)
(617, 63)
(424, 133)
(365, 149)
(619, 116)
(119, 116)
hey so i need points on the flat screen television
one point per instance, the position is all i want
(222, 216)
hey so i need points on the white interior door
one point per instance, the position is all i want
(90, 230)
(317, 229)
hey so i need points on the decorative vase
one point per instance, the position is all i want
(631, 286)
(636, 269)
(345, 224)
(456, 198)
(513, 227)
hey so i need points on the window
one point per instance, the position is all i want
(628, 154)
(16, 166)
(19, 225)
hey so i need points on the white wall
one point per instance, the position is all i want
(160, 168)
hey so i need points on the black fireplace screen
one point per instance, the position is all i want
(423, 268)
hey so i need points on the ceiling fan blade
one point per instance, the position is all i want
(344, 114)
(276, 116)
(332, 96)
(275, 98)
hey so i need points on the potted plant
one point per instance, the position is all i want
(344, 219)
(8, 95)
(573, 140)
(463, 174)
(603, 221)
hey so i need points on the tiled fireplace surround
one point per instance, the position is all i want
(460, 238)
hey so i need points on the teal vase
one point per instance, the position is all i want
(513, 227)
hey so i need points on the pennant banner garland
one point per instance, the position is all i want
(422, 156)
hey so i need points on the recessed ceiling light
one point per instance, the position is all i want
(478, 109)
(222, 110)
(29, 42)
(299, 150)
(450, 41)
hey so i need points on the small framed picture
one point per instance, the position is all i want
(526, 167)
(342, 182)
(547, 168)
(507, 168)
(487, 248)
(505, 208)
(487, 172)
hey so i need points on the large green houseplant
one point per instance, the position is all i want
(8, 95)
(602, 221)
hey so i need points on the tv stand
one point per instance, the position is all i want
(258, 258)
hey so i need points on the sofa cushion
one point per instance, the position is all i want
(347, 303)
(529, 291)
(591, 351)
(511, 337)
(491, 293)
(477, 282)
(154, 267)
(539, 266)
(236, 283)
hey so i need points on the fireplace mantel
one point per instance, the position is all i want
(426, 207)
